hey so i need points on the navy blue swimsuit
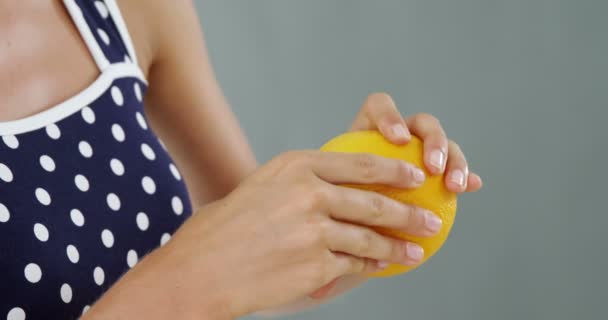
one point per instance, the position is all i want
(86, 188)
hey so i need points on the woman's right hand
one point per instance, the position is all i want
(288, 229)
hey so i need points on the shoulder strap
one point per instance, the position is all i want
(120, 24)
(104, 31)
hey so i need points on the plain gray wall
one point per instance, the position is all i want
(522, 85)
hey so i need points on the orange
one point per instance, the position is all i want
(432, 195)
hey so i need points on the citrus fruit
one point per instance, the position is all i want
(432, 195)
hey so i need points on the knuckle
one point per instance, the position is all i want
(426, 118)
(367, 164)
(381, 97)
(377, 206)
(313, 238)
(455, 146)
(285, 157)
(320, 234)
(290, 159)
(318, 195)
(365, 244)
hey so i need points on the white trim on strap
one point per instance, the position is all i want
(86, 33)
(122, 28)
(73, 104)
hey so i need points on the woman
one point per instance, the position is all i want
(95, 217)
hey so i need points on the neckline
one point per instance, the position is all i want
(75, 103)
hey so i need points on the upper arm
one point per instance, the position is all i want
(185, 104)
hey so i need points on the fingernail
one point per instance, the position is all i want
(432, 222)
(457, 176)
(399, 131)
(382, 265)
(418, 175)
(414, 251)
(437, 159)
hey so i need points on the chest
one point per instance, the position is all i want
(86, 187)
(43, 58)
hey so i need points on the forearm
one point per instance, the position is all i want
(151, 290)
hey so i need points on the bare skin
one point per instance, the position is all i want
(187, 108)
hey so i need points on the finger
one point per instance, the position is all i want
(475, 183)
(457, 169)
(345, 264)
(374, 209)
(366, 243)
(363, 168)
(380, 112)
(428, 128)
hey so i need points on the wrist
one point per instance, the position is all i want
(157, 289)
(206, 299)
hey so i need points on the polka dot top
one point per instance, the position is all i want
(86, 188)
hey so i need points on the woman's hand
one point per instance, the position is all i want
(289, 229)
(379, 112)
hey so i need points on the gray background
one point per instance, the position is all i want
(522, 85)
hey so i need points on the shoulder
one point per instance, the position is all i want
(154, 24)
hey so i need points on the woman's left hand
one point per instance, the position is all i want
(441, 155)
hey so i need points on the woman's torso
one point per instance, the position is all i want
(86, 188)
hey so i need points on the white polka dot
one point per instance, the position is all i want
(137, 90)
(141, 120)
(6, 174)
(47, 163)
(77, 217)
(41, 232)
(16, 314)
(142, 221)
(148, 184)
(102, 9)
(107, 238)
(43, 196)
(85, 309)
(132, 258)
(147, 152)
(164, 239)
(52, 130)
(88, 115)
(104, 36)
(72, 253)
(113, 201)
(99, 276)
(5, 215)
(118, 132)
(11, 141)
(85, 149)
(33, 273)
(66, 293)
(117, 96)
(175, 172)
(82, 183)
(117, 167)
(177, 205)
